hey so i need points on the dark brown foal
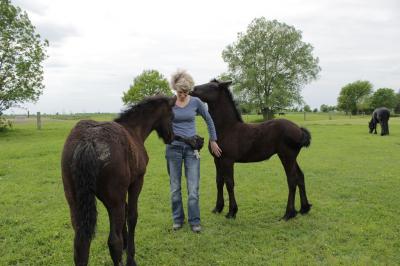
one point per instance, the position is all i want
(244, 143)
(108, 160)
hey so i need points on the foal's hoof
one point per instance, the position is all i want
(218, 209)
(130, 263)
(230, 215)
(289, 215)
(305, 209)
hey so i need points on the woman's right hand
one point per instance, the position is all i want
(215, 148)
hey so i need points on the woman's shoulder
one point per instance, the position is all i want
(196, 100)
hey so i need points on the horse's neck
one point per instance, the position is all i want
(375, 117)
(223, 114)
(139, 127)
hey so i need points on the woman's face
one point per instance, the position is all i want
(181, 94)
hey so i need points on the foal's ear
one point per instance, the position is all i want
(225, 83)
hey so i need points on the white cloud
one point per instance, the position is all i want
(97, 47)
(33, 7)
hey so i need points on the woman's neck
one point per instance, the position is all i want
(182, 102)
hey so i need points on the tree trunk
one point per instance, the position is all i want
(267, 113)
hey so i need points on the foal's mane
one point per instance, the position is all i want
(137, 110)
(231, 100)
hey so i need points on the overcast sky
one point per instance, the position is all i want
(97, 47)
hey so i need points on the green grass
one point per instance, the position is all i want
(352, 180)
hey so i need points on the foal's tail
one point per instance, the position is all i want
(85, 168)
(306, 138)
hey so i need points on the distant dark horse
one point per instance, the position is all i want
(380, 115)
(108, 160)
(242, 142)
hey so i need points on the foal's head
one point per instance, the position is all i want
(163, 122)
(210, 91)
(371, 125)
(153, 112)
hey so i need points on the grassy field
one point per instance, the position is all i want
(352, 180)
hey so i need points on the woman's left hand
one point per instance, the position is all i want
(215, 148)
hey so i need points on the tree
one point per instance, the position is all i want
(307, 108)
(326, 108)
(149, 83)
(22, 52)
(353, 94)
(270, 63)
(383, 97)
(364, 105)
(397, 107)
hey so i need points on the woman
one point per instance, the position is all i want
(178, 152)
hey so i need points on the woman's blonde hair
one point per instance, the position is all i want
(181, 80)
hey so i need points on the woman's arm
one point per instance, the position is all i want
(201, 109)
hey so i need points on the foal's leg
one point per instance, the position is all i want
(227, 172)
(69, 195)
(133, 196)
(305, 206)
(219, 206)
(125, 230)
(387, 127)
(116, 213)
(290, 168)
(81, 250)
(81, 245)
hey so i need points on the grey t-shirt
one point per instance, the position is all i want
(184, 121)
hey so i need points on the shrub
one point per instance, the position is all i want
(5, 123)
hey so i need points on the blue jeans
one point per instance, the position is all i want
(177, 155)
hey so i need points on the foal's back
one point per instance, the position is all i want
(104, 136)
(381, 114)
(259, 141)
(111, 143)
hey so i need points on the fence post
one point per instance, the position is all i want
(330, 115)
(39, 121)
(304, 116)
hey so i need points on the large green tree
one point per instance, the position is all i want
(353, 95)
(383, 97)
(270, 63)
(22, 52)
(148, 83)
